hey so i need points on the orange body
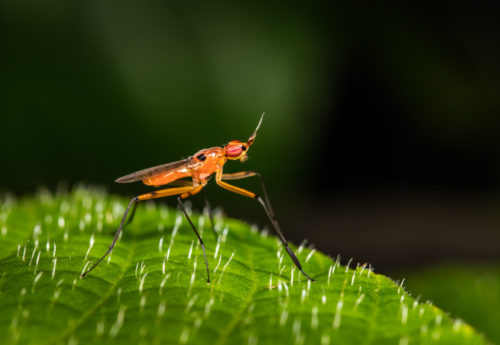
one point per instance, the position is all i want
(200, 167)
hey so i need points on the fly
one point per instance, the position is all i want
(199, 168)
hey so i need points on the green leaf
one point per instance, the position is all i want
(471, 292)
(154, 290)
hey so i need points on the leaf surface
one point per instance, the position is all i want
(153, 290)
(471, 292)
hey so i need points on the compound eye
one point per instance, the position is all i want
(233, 150)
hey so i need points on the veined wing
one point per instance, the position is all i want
(153, 171)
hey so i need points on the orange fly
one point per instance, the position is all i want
(199, 168)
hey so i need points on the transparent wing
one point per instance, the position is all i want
(153, 171)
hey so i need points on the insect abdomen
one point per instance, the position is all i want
(167, 177)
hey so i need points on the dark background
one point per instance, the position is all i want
(380, 140)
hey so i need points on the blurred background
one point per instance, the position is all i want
(380, 140)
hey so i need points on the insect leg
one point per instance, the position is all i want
(180, 183)
(132, 214)
(183, 193)
(181, 204)
(273, 220)
(133, 202)
(244, 174)
(152, 195)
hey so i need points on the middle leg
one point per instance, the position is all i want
(181, 204)
(181, 196)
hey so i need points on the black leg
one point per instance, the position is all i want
(265, 204)
(181, 204)
(245, 174)
(132, 202)
(132, 214)
(276, 227)
(268, 203)
(209, 209)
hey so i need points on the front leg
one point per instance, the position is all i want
(244, 174)
(270, 215)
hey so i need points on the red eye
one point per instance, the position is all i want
(233, 150)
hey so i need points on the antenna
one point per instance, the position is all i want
(254, 134)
